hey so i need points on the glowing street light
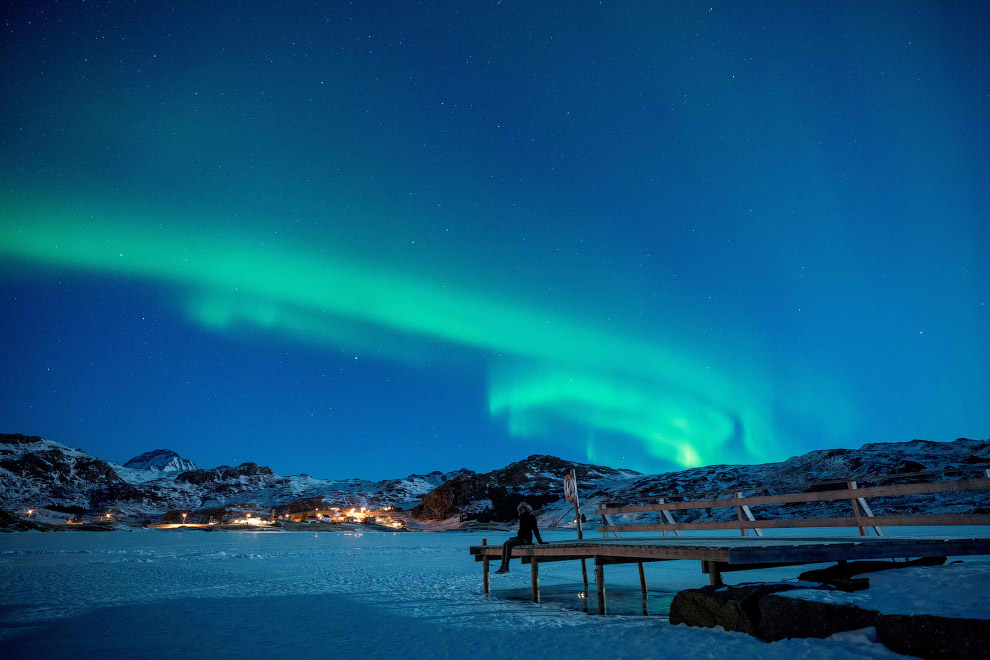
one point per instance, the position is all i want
(183, 518)
(30, 512)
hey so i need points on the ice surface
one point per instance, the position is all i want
(192, 594)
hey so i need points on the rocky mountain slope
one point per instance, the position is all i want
(160, 460)
(57, 481)
(807, 472)
(493, 496)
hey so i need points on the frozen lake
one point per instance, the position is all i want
(194, 594)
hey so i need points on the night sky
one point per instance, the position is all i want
(369, 239)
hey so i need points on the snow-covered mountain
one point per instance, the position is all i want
(160, 460)
(57, 480)
(35, 473)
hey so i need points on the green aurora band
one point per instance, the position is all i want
(545, 369)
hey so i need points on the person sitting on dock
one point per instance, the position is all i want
(527, 528)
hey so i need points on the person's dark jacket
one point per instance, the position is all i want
(528, 527)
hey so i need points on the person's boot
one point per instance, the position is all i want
(501, 570)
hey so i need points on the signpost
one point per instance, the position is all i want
(571, 495)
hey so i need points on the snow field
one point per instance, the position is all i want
(192, 594)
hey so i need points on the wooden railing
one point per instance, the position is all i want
(862, 516)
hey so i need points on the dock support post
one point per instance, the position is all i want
(584, 577)
(486, 579)
(600, 584)
(642, 586)
(534, 571)
(714, 573)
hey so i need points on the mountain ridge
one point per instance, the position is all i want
(55, 480)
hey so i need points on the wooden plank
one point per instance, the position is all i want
(734, 553)
(729, 568)
(633, 551)
(749, 514)
(798, 498)
(869, 514)
(704, 494)
(546, 560)
(882, 549)
(609, 522)
(629, 560)
(883, 521)
(667, 517)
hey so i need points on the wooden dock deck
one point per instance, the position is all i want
(724, 554)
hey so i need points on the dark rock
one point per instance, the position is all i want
(535, 479)
(785, 618)
(224, 473)
(935, 637)
(734, 608)
(124, 493)
(11, 522)
(73, 510)
(438, 504)
(305, 504)
(906, 466)
(195, 477)
(19, 439)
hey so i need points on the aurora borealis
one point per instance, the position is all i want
(366, 241)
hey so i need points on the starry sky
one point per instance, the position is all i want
(363, 239)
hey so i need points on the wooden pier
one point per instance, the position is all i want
(723, 554)
(719, 555)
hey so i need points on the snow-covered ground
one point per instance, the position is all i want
(192, 594)
(958, 591)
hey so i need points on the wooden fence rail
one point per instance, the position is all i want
(862, 514)
(800, 498)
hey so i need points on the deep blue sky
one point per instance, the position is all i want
(369, 239)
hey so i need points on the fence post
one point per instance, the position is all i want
(667, 517)
(739, 514)
(749, 514)
(851, 485)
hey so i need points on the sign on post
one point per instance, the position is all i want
(571, 495)
(570, 487)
